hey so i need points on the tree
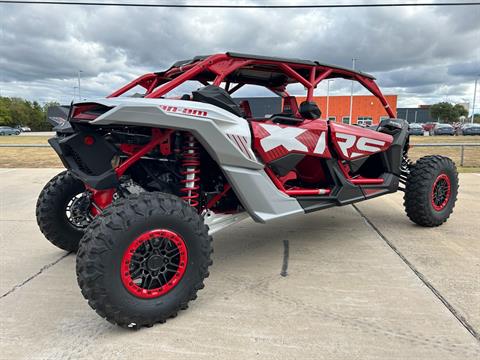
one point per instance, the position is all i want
(16, 111)
(5, 117)
(447, 112)
(441, 111)
(458, 111)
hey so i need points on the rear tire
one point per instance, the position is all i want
(121, 262)
(431, 190)
(51, 212)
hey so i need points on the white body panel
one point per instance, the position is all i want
(225, 136)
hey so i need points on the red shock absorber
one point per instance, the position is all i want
(191, 171)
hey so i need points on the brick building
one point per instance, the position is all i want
(366, 109)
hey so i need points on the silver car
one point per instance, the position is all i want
(7, 130)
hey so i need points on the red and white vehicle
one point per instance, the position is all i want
(149, 179)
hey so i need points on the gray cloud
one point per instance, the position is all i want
(415, 52)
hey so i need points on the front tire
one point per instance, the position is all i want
(62, 209)
(143, 259)
(431, 190)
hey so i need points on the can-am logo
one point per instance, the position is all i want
(182, 110)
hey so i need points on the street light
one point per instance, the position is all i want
(79, 93)
(474, 96)
(351, 93)
(328, 95)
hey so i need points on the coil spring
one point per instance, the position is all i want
(191, 171)
(406, 164)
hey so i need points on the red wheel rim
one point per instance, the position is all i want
(154, 263)
(440, 192)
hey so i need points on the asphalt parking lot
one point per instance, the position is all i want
(363, 283)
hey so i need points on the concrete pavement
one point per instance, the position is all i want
(348, 294)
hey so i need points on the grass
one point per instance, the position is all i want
(444, 139)
(46, 157)
(471, 154)
(27, 157)
(24, 139)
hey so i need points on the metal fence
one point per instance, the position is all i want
(458, 145)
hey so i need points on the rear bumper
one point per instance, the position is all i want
(90, 163)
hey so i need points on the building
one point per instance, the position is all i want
(422, 113)
(366, 109)
(416, 115)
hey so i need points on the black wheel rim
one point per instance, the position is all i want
(154, 263)
(441, 192)
(77, 211)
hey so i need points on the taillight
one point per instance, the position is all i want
(89, 140)
(88, 111)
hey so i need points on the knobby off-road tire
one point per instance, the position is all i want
(133, 236)
(431, 190)
(51, 211)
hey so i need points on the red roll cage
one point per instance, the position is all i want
(240, 69)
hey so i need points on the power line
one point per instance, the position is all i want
(215, 6)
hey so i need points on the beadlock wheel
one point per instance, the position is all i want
(154, 263)
(62, 211)
(441, 192)
(143, 259)
(431, 190)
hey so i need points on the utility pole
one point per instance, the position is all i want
(474, 96)
(351, 93)
(415, 117)
(79, 91)
(328, 95)
(74, 92)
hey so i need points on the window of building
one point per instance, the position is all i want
(346, 119)
(364, 120)
(332, 118)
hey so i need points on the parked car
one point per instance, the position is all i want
(415, 129)
(443, 129)
(7, 130)
(23, 128)
(470, 129)
(429, 127)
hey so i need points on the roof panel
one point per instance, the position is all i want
(296, 61)
(269, 58)
(276, 59)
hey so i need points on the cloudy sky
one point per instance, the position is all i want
(423, 54)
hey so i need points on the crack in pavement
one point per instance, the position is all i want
(42, 269)
(422, 277)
